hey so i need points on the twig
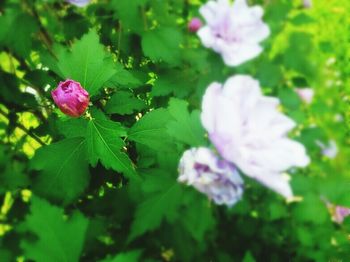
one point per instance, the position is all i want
(23, 128)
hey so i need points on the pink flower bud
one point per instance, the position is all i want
(71, 98)
(194, 24)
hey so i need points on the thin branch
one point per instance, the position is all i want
(23, 128)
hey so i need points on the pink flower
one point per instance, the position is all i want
(233, 30)
(305, 94)
(249, 131)
(194, 24)
(216, 178)
(71, 98)
(79, 3)
(338, 213)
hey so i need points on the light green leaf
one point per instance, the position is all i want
(64, 170)
(130, 256)
(105, 144)
(163, 44)
(124, 103)
(151, 130)
(186, 127)
(88, 63)
(58, 239)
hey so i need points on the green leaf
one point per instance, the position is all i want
(58, 239)
(186, 127)
(311, 209)
(173, 81)
(18, 40)
(130, 256)
(124, 103)
(163, 44)
(129, 13)
(64, 170)
(88, 63)
(105, 144)
(12, 171)
(123, 78)
(72, 127)
(151, 130)
(248, 257)
(198, 207)
(162, 200)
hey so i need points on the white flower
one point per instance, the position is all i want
(249, 131)
(233, 30)
(305, 94)
(307, 3)
(215, 177)
(79, 3)
(330, 150)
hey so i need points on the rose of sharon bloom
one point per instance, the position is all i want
(305, 94)
(248, 130)
(233, 30)
(215, 177)
(79, 3)
(71, 98)
(194, 24)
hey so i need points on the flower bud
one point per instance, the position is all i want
(71, 98)
(215, 177)
(194, 25)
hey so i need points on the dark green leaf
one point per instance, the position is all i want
(64, 170)
(58, 238)
(105, 144)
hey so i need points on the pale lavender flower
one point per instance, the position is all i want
(305, 94)
(233, 30)
(79, 3)
(330, 150)
(249, 131)
(194, 25)
(71, 98)
(218, 179)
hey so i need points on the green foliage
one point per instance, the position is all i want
(124, 103)
(131, 256)
(103, 187)
(104, 143)
(185, 127)
(163, 200)
(162, 44)
(64, 172)
(57, 237)
(151, 130)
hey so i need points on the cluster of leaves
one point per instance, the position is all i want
(103, 187)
